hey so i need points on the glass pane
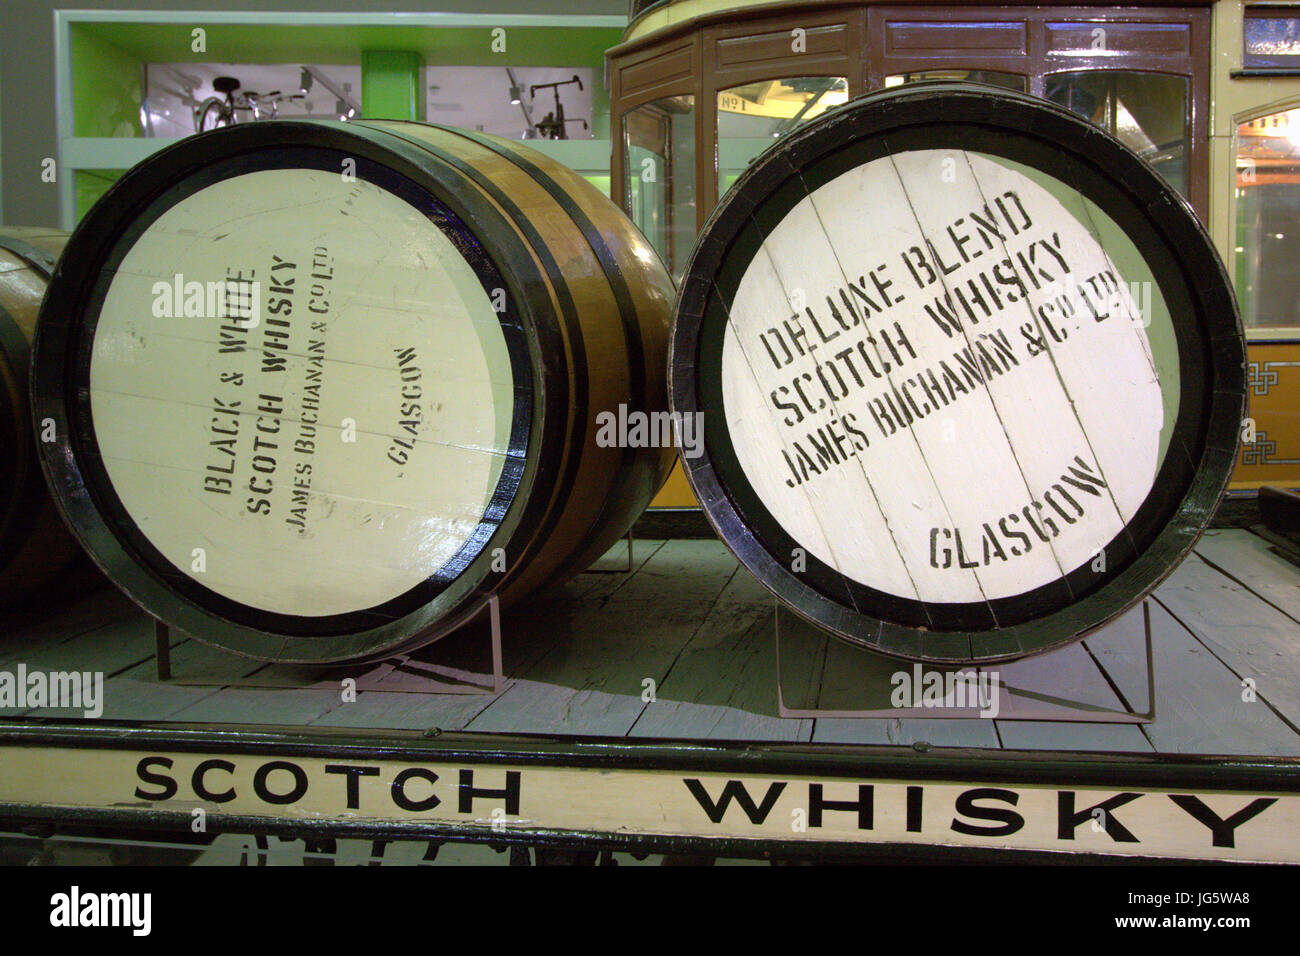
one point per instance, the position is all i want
(1147, 112)
(660, 176)
(1268, 220)
(1271, 37)
(751, 117)
(1008, 81)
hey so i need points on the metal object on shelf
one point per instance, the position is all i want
(623, 570)
(400, 674)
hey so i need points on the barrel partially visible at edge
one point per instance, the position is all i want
(36, 551)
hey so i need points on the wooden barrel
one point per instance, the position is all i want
(323, 388)
(971, 374)
(36, 551)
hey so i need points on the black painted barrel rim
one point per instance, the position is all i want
(86, 498)
(1165, 230)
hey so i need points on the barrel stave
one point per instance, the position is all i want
(37, 555)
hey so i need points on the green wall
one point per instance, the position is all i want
(109, 104)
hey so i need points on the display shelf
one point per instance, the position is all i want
(624, 688)
(100, 57)
(588, 157)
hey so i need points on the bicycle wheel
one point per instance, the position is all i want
(213, 114)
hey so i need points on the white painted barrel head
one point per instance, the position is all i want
(961, 360)
(303, 397)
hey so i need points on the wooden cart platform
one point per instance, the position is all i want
(622, 688)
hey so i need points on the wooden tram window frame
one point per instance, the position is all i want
(865, 61)
(672, 69)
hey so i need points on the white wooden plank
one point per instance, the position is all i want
(1253, 562)
(723, 685)
(1058, 735)
(592, 680)
(137, 694)
(142, 698)
(253, 705)
(409, 711)
(1251, 637)
(1199, 705)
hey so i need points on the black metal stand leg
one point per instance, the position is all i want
(498, 662)
(162, 650)
(1150, 714)
(626, 570)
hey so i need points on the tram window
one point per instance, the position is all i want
(753, 116)
(1271, 37)
(1268, 220)
(659, 171)
(1147, 112)
(1008, 81)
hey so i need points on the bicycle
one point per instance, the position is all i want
(224, 110)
